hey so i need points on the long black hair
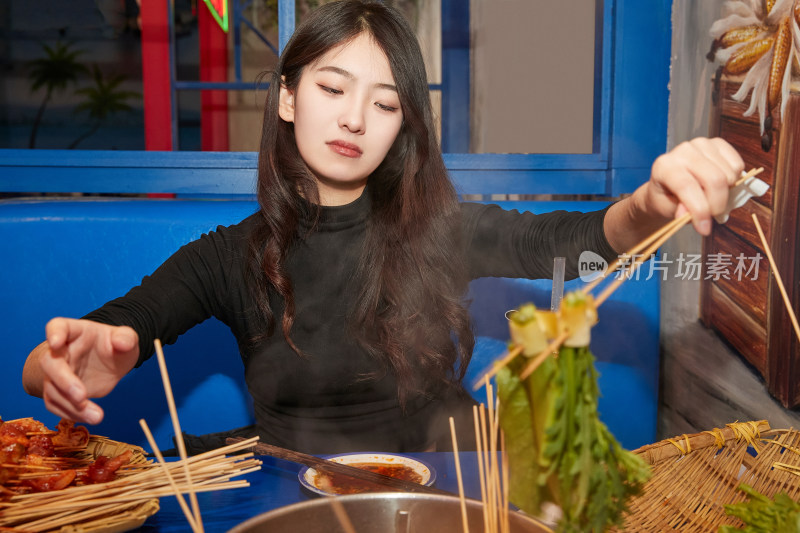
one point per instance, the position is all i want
(412, 278)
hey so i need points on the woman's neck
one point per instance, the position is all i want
(341, 194)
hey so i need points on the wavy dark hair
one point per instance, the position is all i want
(411, 277)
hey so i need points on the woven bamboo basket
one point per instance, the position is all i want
(116, 518)
(695, 476)
(125, 516)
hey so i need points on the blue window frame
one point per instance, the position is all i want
(632, 55)
(630, 126)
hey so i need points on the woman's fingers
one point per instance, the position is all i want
(697, 175)
(61, 405)
(716, 166)
(59, 374)
(70, 343)
(57, 332)
(677, 186)
(727, 153)
(124, 339)
(82, 359)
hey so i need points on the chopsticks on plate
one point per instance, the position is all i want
(330, 467)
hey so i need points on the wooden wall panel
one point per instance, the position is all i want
(752, 317)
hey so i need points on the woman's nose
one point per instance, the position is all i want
(352, 118)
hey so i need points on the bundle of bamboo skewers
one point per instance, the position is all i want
(129, 499)
(493, 469)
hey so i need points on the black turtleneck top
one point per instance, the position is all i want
(320, 403)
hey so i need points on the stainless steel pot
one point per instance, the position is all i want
(382, 513)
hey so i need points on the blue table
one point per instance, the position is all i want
(276, 485)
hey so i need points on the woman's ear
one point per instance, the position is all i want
(286, 104)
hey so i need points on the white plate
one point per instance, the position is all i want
(308, 476)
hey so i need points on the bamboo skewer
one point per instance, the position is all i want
(777, 275)
(134, 481)
(135, 489)
(173, 413)
(669, 227)
(641, 245)
(654, 241)
(637, 255)
(490, 446)
(504, 523)
(132, 496)
(181, 501)
(495, 367)
(641, 258)
(115, 491)
(481, 474)
(488, 506)
(142, 478)
(493, 473)
(57, 520)
(461, 497)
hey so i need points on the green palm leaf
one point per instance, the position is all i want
(58, 69)
(102, 100)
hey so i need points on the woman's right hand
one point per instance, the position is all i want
(79, 360)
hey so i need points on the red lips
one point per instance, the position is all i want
(346, 149)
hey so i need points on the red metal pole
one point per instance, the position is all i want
(155, 75)
(213, 67)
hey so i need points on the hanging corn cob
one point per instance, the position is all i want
(558, 449)
(746, 56)
(760, 40)
(780, 60)
(768, 5)
(740, 35)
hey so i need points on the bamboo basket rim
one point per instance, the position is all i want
(694, 476)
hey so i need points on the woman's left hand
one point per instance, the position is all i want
(694, 177)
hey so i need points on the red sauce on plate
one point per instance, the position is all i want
(339, 484)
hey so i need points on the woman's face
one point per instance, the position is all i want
(346, 114)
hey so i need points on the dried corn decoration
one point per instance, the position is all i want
(759, 39)
(746, 56)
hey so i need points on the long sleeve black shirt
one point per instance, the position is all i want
(320, 403)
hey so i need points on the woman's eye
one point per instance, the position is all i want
(386, 107)
(329, 89)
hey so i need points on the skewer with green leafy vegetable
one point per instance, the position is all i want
(558, 449)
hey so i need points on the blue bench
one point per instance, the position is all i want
(65, 257)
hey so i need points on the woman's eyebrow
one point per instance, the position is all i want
(351, 76)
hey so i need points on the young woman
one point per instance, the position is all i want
(345, 290)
